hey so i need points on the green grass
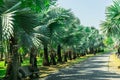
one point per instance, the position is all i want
(2, 69)
(25, 62)
(2, 73)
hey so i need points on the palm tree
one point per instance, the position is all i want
(55, 20)
(1, 52)
(88, 40)
(17, 20)
(45, 32)
(112, 23)
(70, 37)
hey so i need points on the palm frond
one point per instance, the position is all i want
(37, 5)
(26, 20)
(110, 28)
(43, 33)
(7, 24)
(29, 40)
(113, 11)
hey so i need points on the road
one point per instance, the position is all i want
(95, 68)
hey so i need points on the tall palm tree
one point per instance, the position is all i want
(111, 26)
(17, 18)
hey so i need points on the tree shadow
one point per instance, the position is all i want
(85, 74)
(92, 69)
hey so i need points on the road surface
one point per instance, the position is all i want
(95, 68)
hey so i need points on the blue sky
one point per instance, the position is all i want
(90, 12)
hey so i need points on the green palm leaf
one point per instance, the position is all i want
(7, 24)
(113, 11)
(110, 28)
(43, 33)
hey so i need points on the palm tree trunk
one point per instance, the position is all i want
(59, 54)
(33, 60)
(74, 55)
(1, 56)
(45, 58)
(119, 50)
(78, 54)
(91, 50)
(21, 59)
(33, 55)
(65, 56)
(15, 66)
(12, 68)
(52, 58)
(70, 55)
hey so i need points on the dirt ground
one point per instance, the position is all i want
(114, 63)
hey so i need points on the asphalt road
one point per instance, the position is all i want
(95, 68)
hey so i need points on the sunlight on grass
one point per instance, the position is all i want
(1, 63)
(114, 63)
(2, 69)
(26, 62)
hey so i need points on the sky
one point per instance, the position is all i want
(90, 12)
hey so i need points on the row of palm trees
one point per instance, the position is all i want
(111, 25)
(18, 20)
(39, 24)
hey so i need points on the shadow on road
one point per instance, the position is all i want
(90, 75)
(95, 68)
